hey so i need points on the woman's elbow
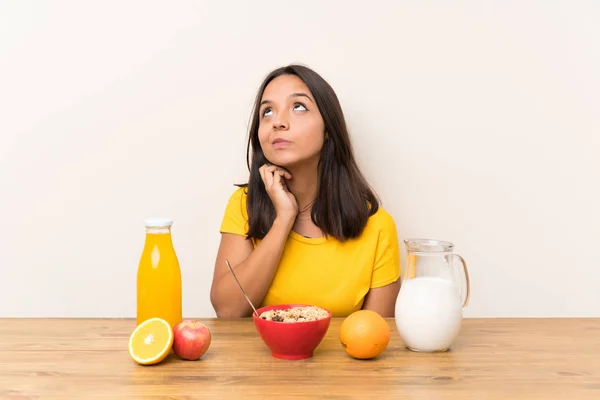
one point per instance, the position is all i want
(225, 311)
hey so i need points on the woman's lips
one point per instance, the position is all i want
(278, 142)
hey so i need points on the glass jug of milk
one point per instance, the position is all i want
(435, 289)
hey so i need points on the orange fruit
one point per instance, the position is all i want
(151, 341)
(364, 334)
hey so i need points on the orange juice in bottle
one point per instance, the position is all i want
(159, 275)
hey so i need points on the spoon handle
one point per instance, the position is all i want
(238, 283)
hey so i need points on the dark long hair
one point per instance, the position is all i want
(344, 201)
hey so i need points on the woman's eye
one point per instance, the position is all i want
(299, 107)
(267, 111)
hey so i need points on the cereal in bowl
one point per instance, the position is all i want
(295, 314)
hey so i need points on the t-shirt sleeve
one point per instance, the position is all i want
(235, 219)
(387, 267)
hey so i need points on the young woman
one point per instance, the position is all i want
(307, 228)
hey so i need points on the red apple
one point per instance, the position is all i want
(191, 339)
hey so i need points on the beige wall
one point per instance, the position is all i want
(477, 124)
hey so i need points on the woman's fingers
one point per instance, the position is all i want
(284, 173)
(262, 172)
(267, 173)
(277, 179)
(273, 168)
(268, 179)
(266, 176)
(274, 179)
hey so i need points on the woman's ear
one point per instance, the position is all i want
(326, 135)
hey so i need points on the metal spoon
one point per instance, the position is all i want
(238, 282)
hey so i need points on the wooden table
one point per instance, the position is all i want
(491, 359)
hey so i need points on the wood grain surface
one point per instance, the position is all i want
(491, 359)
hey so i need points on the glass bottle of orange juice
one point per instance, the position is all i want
(159, 275)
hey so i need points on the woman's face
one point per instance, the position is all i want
(291, 130)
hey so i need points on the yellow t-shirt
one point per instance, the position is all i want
(324, 271)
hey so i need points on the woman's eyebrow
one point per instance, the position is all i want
(302, 95)
(266, 101)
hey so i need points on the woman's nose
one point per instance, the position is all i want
(281, 123)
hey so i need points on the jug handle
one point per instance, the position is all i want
(464, 264)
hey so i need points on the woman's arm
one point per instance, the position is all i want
(383, 299)
(254, 268)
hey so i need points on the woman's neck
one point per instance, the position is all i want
(304, 185)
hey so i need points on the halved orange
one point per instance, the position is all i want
(151, 341)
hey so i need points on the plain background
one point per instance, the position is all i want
(476, 122)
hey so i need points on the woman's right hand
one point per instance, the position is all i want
(284, 201)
